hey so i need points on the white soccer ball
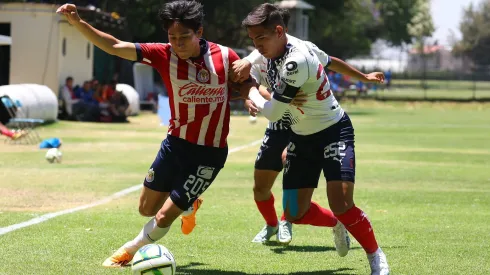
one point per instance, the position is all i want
(153, 259)
(252, 119)
(54, 155)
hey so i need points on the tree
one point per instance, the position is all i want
(421, 27)
(475, 29)
(343, 28)
(396, 15)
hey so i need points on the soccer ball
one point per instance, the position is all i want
(54, 155)
(153, 259)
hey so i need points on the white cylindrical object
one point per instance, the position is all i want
(37, 101)
(132, 96)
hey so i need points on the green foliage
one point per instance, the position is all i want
(475, 28)
(344, 28)
(421, 25)
(396, 15)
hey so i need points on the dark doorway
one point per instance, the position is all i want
(4, 56)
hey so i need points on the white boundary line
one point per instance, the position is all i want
(43, 218)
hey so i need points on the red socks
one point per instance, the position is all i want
(358, 224)
(7, 133)
(318, 216)
(268, 211)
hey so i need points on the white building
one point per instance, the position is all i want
(45, 48)
(438, 58)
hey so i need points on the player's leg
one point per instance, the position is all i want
(301, 175)
(339, 170)
(6, 132)
(151, 201)
(157, 186)
(199, 171)
(268, 165)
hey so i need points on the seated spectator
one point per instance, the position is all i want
(119, 107)
(88, 108)
(5, 117)
(68, 97)
(87, 94)
(109, 90)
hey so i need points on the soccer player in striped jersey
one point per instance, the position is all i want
(195, 72)
(322, 138)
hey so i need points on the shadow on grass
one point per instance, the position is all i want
(280, 249)
(193, 269)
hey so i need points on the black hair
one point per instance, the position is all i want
(285, 16)
(188, 13)
(69, 79)
(266, 15)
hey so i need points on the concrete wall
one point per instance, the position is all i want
(36, 51)
(76, 62)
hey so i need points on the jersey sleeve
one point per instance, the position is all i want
(325, 59)
(152, 54)
(232, 56)
(255, 73)
(254, 57)
(292, 75)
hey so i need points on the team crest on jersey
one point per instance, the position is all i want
(203, 76)
(150, 176)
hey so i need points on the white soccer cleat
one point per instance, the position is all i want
(265, 234)
(341, 239)
(378, 263)
(285, 232)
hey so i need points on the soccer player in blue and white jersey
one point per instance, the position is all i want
(322, 138)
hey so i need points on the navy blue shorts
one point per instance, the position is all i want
(184, 169)
(330, 150)
(270, 152)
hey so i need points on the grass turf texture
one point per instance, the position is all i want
(421, 176)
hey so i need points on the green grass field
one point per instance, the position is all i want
(422, 178)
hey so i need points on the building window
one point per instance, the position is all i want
(88, 51)
(63, 47)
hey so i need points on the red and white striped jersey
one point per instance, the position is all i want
(197, 89)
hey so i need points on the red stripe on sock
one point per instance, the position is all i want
(7, 133)
(358, 224)
(268, 211)
(318, 216)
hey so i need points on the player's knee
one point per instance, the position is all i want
(340, 207)
(261, 189)
(147, 211)
(293, 217)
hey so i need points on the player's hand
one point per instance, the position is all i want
(241, 70)
(252, 109)
(375, 77)
(70, 12)
(299, 99)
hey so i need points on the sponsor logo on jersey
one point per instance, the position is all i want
(205, 172)
(201, 94)
(290, 81)
(291, 66)
(150, 176)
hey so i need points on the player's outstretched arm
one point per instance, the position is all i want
(342, 67)
(104, 41)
